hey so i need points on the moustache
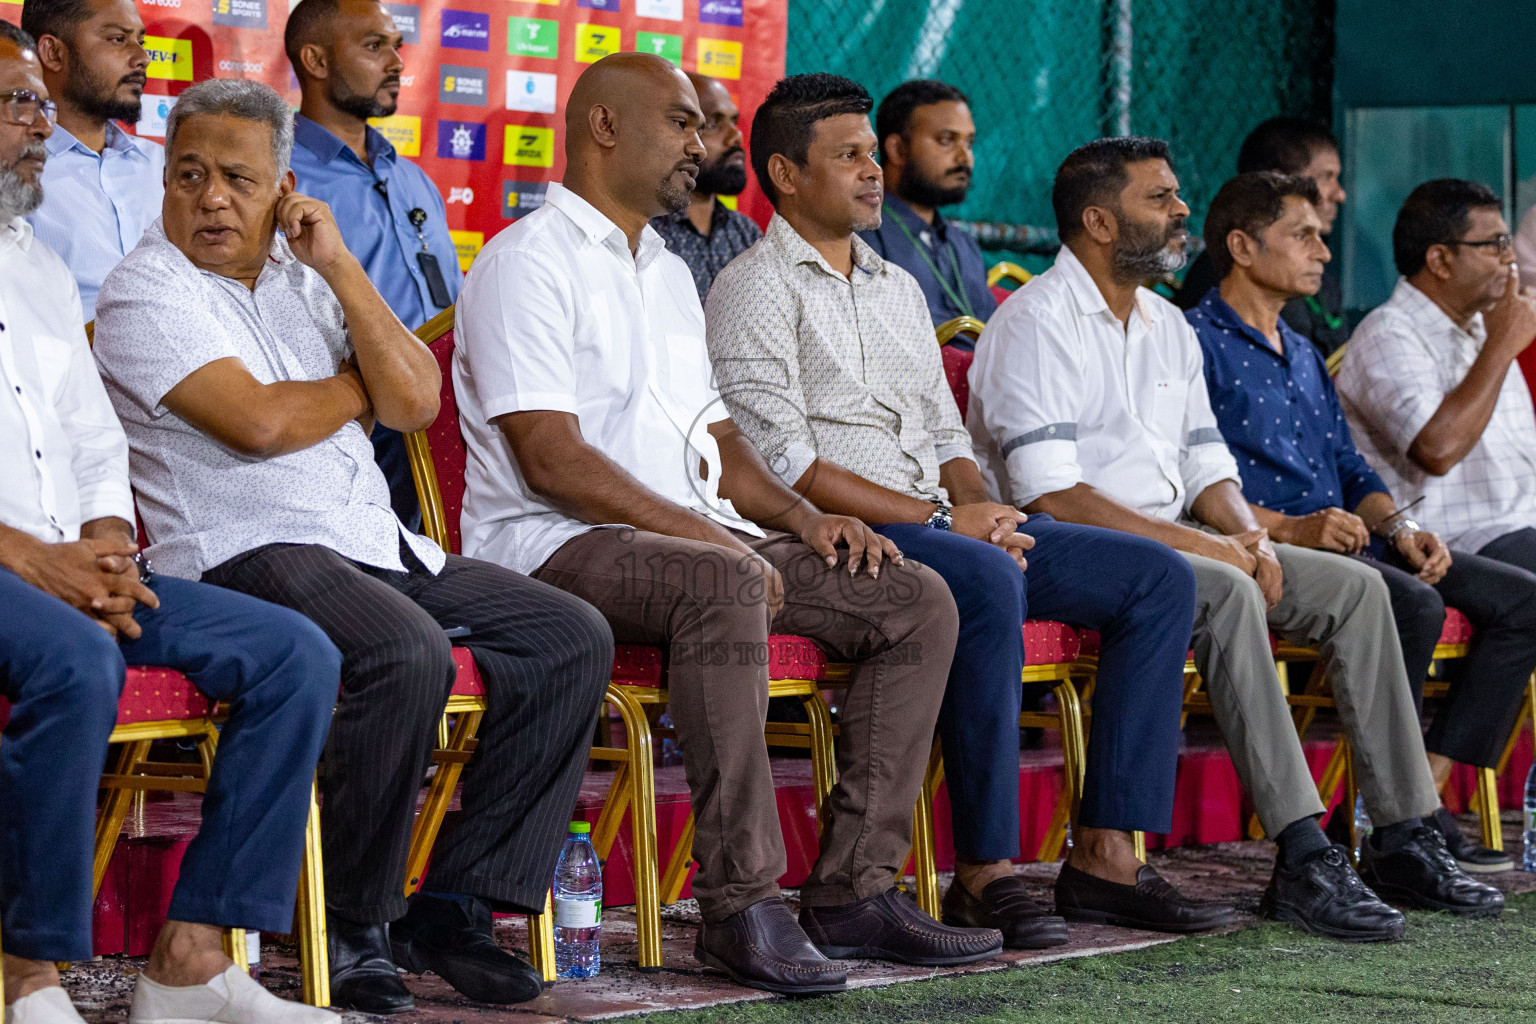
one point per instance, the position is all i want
(138, 78)
(32, 151)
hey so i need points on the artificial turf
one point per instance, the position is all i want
(1446, 970)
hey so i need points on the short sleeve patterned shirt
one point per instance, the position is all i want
(730, 234)
(159, 319)
(813, 364)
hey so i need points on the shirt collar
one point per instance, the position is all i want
(327, 146)
(718, 212)
(1224, 317)
(1090, 300)
(901, 208)
(1428, 316)
(598, 229)
(18, 233)
(797, 250)
(61, 141)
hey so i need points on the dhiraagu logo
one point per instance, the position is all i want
(533, 37)
(527, 146)
(594, 42)
(169, 59)
(468, 245)
(402, 132)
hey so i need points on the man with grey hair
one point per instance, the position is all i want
(81, 609)
(248, 356)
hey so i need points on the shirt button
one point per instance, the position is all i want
(38, 454)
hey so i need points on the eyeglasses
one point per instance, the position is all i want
(1505, 243)
(23, 107)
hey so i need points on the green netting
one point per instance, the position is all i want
(1045, 76)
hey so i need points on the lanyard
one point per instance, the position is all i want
(1333, 322)
(959, 299)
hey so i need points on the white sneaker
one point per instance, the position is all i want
(231, 998)
(49, 1005)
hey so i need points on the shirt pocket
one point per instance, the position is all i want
(1167, 416)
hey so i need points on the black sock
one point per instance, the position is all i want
(1390, 838)
(1299, 841)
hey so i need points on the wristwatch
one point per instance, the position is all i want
(941, 518)
(1398, 527)
(146, 568)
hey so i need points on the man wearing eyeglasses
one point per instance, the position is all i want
(1429, 382)
(103, 185)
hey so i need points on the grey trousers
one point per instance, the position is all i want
(1341, 607)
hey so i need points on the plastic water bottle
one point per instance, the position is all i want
(1528, 862)
(1362, 826)
(578, 899)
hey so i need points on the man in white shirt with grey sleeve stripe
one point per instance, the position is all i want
(1088, 403)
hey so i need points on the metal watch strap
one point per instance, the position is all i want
(941, 518)
(1398, 527)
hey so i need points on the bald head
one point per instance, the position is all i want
(632, 133)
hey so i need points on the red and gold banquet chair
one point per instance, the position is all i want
(796, 667)
(1006, 271)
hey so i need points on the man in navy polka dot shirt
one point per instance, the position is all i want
(1309, 485)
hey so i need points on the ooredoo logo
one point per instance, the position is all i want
(467, 30)
(720, 12)
(243, 67)
(460, 140)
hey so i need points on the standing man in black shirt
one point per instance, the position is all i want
(707, 234)
(1292, 145)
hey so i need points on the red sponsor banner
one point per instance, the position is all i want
(482, 105)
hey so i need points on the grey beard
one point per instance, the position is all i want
(18, 197)
(1141, 265)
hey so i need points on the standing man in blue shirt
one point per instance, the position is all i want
(346, 54)
(926, 134)
(102, 185)
(1309, 486)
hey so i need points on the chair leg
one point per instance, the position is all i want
(1139, 844)
(677, 867)
(612, 814)
(823, 754)
(1074, 754)
(1527, 711)
(642, 824)
(234, 947)
(1351, 794)
(541, 940)
(439, 795)
(924, 860)
(1488, 808)
(114, 810)
(314, 953)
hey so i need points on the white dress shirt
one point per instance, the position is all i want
(1525, 248)
(96, 206)
(63, 457)
(161, 318)
(1402, 361)
(1062, 393)
(556, 314)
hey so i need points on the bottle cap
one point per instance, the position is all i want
(580, 828)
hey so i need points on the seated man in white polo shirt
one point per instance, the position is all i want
(584, 391)
(1430, 382)
(1088, 398)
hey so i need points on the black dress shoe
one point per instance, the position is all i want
(1152, 903)
(363, 977)
(456, 941)
(1325, 897)
(1422, 873)
(891, 926)
(762, 947)
(1005, 904)
(1473, 858)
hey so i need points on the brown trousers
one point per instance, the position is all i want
(707, 609)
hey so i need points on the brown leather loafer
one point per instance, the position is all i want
(1152, 903)
(762, 947)
(1006, 905)
(892, 927)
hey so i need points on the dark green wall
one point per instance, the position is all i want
(1434, 52)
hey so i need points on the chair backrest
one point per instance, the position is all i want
(1336, 360)
(437, 454)
(957, 361)
(1006, 271)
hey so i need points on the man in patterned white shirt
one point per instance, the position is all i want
(247, 369)
(826, 358)
(1088, 397)
(1430, 382)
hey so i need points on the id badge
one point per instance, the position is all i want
(435, 283)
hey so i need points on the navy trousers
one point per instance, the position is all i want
(1139, 595)
(63, 675)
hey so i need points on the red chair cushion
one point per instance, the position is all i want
(448, 454)
(1000, 293)
(789, 657)
(160, 695)
(1050, 643)
(1458, 628)
(468, 682)
(1091, 642)
(957, 363)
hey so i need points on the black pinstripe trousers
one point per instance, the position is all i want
(545, 657)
